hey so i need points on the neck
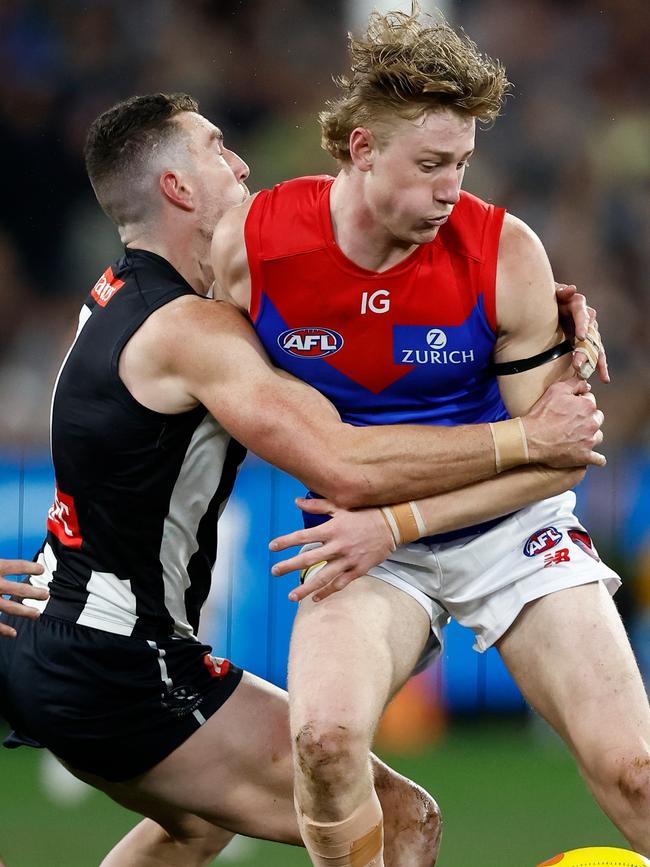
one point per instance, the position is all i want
(188, 253)
(357, 233)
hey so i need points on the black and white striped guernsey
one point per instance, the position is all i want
(132, 533)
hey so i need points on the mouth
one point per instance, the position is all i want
(437, 221)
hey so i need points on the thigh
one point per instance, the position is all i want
(351, 651)
(571, 658)
(234, 772)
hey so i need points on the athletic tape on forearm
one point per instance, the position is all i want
(591, 347)
(510, 445)
(404, 521)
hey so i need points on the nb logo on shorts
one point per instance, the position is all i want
(182, 700)
(541, 541)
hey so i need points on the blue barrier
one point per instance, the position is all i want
(248, 616)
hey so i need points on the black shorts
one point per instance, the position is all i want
(108, 704)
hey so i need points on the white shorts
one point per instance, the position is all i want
(483, 581)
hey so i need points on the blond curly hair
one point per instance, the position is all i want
(406, 64)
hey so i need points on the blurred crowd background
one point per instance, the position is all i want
(570, 155)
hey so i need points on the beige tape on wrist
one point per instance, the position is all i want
(510, 445)
(391, 523)
(590, 347)
(405, 522)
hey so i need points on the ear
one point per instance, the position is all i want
(362, 148)
(177, 191)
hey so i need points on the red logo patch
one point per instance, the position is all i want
(310, 342)
(62, 520)
(216, 665)
(583, 540)
(106, 287)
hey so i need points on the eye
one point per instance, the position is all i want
(463, 164)
(429, 167)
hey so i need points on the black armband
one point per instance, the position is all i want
(507, 367)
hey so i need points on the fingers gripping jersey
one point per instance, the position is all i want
(132, 532)
(408, 345)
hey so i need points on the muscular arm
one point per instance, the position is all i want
(294, 427)
(194, 350)
(527, 316)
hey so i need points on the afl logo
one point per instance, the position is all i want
(541, 541)
(310, 342)
(437, 338)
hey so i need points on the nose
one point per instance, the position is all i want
(447, 188)
(237, 166)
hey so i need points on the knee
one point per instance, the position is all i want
(627, 777)
(429, 822)
(199, 841)
(413, 829)
(331, 755)
(431, 829)
(633, 782)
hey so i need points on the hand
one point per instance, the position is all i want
(351, 542)
(15, 588)
(575, 316)
(564, 426)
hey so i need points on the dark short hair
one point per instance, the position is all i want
(121, 139)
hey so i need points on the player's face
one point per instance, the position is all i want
(416, 174)
(219, 174)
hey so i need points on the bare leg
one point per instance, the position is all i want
(572, 660)
(349, 654)
(237, 773)
(189, 842)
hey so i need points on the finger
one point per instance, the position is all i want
(27, 591)
(7, 631)
(19, 610)
(581, 315)
(298, 537)
(315, 581)
(577, 385)
(601, 367)
(339, 583)
(302, 560)
(597, 460)
(20, 567)
(578, 360)
(565, 290)
(315, 506)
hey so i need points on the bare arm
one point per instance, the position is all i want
(527, 313)
(352, 542)
(295, 427)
